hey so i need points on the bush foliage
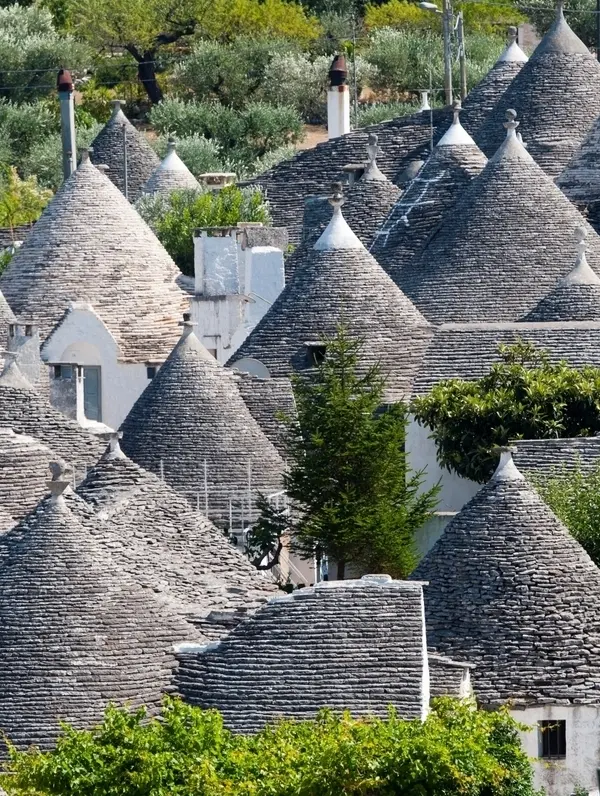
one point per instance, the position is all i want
(525, 396)
(241, 136)
(187, 752)
(575, 498)
(175, 217)
(479, 17)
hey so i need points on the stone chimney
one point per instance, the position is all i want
(64, 85)
(24, 345)
(338, 99)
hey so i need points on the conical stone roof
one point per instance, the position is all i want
(513, 593)
(91, 245)
(267, 400)
(503, 249)
(354, 644)
(25, 411)
(164, 544)
(340, 281)
(117, 137)
(481, 100)
(171, 174)
(368, 201)
(557, 97)
(192, 426)
(429, 196)
(76, 632)
(576, 296)
(7, 317)
(24, 463)
(580, 180)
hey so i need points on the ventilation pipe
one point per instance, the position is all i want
(338, 99)
(64, 85)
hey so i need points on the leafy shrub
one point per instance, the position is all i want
(226, 20)
(198, 153)
(301, 82)
(44, 159)
(384, 111)
(232, 73)
(575, 498)
(96, 100)
(522, 397)
(21, 201)
(175, 217)
(240, 135)
(22, 126)
(456, 750)
(31, 52)
(407, 60)
(479, 17)
(265, 162)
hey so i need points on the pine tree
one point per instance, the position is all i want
(354, 496)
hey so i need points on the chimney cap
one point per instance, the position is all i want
(338, 73)
(64, 82)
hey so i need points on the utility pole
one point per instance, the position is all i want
(462, 56)
(598, 29)
(447, 29)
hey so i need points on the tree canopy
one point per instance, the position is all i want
(524, 396)
(355, 498)
(187, 752)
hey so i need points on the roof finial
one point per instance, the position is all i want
(372, 172)
(59, 482)
(560, 8)
(511, 123)
(188, 324)
(171, 145)
(114, 449)
(456, 109)
(512, 35)
(336, 197)
(86, 154)
(581, 234)
(506, 470)
(117, 104)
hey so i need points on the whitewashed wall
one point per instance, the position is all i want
(580, 767)
(83, 339)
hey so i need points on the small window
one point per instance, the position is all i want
(151, 371)
(212, 351)
(553, 739)
(316, 354)
(63, 372)
(12, 330)
(28, 330)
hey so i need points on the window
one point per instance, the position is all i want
(12, 330)
(316, 353)
(553, 739)
(63, 372)
(28, 330)
(151, 371)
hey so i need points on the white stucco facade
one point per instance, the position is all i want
(421, 450)
(579, 769)
(235, 284)
(83, 339)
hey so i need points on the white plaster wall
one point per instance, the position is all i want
(579, 768)
(265, 279)
(220, 323)
(455, 491)
(216, 265)
(83, 339)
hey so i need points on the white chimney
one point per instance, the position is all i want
(216, 267)
(64, 85)
(338, 99)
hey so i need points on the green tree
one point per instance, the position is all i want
(21, 201)
(574, 496)
(146, 28)
(175, 217)
(187, 752)
(32, 51)
(356, 498)
(267, 536)
(524, 396)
